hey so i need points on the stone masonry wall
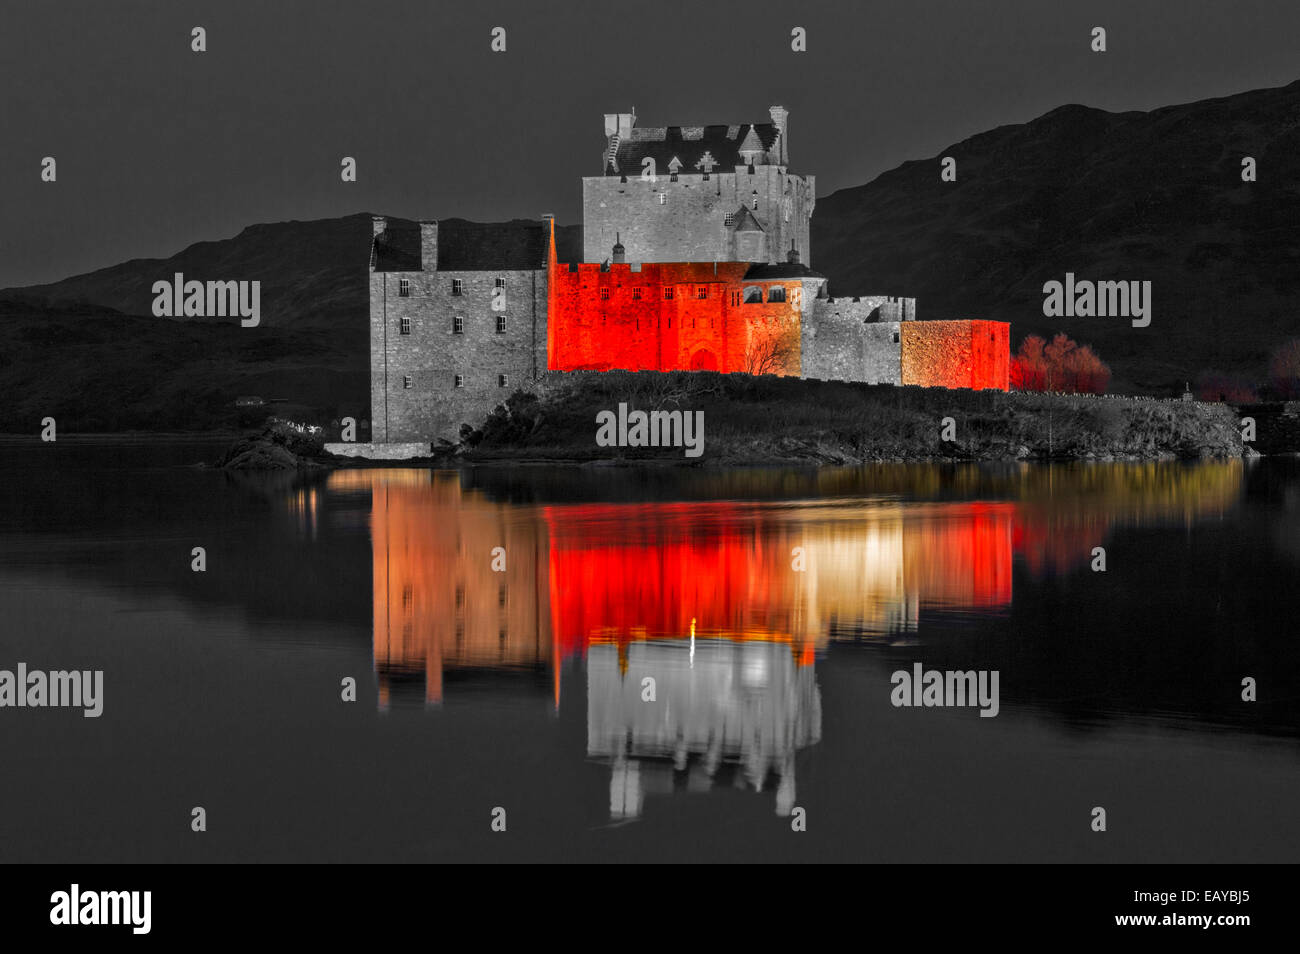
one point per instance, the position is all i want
(431, 356)
(689, 224)
(846, 340)
(956, 354)
(601, 319)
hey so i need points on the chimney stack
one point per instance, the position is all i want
(429, 246)
(779, 116)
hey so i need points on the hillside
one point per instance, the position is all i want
(1154, 196)
(94, 370)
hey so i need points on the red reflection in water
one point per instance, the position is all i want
(626, 572)
(584, 574)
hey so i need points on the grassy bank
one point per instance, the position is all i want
(756, 420)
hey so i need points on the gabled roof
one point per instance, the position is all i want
(396, 249)
(695, 146)
(780, 270)
(746, 222)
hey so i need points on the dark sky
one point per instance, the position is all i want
(159, 147)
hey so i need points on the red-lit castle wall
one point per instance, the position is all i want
(956, 354)
(704, 316)
(686, 316)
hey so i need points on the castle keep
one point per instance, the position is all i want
(693, 255)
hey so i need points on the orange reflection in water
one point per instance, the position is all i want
(581, 575)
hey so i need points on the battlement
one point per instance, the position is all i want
(869, 309)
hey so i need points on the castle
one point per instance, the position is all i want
(693, 255)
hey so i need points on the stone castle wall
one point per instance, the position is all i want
(685, 220)
(432, 354)
(956, 354)
(597, 321)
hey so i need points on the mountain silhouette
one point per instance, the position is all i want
(1134, 196)
(1148, 196)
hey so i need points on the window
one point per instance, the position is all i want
(501, 283)
(406, 326)
(702, 292)
(636, 294)
(754, 201)
(753, 295)
(460, 380)
(663, 198)
(735, 298)
(456, 287)
(729, 219)
(502, 381)
(668, 294)
(501, 324)
(776, 293)
(458, 325)
(895, 337)
(404, 288)
(406, 380)
(604, 294)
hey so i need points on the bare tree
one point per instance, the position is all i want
(769, 354)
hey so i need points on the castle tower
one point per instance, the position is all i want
(714, 193)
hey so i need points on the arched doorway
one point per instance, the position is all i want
(704, 360)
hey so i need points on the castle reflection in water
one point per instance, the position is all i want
(724, 604)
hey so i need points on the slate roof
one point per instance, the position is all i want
(689, 144)
(466, 246)
(396, 249)
(779, 271)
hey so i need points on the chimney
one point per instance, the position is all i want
(429, 246)
(380, 223)
(779, 116)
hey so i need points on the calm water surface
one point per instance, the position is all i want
(770, 607)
